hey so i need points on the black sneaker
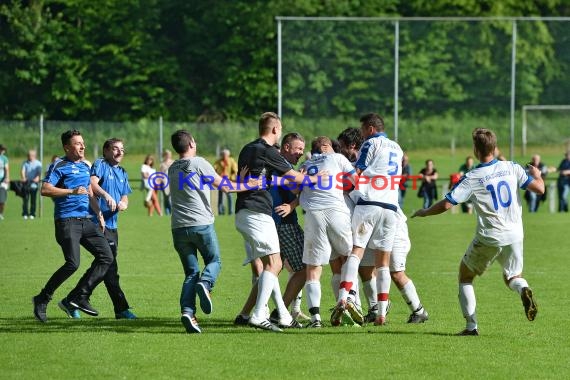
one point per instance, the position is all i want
(84, 306)
(274, 317)
(68, 309)
(466, 332)
(40, 308)
(316, 324)
(293, 325)
(241, 320)
(530, 308)
(418, 317)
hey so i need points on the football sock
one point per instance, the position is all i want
(265, 285)
(383, 282)
(517, 284)
(349, 276)
(284, 315)
(468, 304)
(370, 291)
(313, 293)
(410, 295)
(296, 304)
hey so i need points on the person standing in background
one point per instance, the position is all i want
(30, 172)
(164, 165)
(428, 188)
(4, 179)
(467, 207)
(563, 183)
(150, 200)
(226, 167)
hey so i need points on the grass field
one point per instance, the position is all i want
(156, 345)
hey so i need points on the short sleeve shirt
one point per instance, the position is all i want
(65, 174)
(493, 189)
(262, 159)
(115, 181)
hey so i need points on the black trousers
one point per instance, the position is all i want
(70, 234)
(111, 278)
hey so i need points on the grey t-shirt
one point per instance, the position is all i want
(190, 186)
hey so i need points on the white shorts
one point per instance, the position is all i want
(327, 236)
(400, 250)
(479, 257)
(374, 227)
(259, 231)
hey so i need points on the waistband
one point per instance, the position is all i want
(388, 206)
(77, 218)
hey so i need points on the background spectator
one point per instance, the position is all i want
(4, 179)
(428, 189)
(563, 183)
(31, 172)
(226, 167)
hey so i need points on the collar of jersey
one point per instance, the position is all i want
(482, 165)
(379, 134)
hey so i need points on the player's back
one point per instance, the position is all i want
(327, 192)
(493, 189)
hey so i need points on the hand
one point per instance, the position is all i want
(254, 182)
(283, 210)
(79, 191)
(243, 172)
(122, 206)
(111, 202)
(421, 213)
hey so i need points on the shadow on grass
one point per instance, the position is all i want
(29, 325)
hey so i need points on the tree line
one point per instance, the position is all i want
(217, 60)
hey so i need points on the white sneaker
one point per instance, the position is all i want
(25, 217)
(263, 324)
(298, 315)
(32, 217)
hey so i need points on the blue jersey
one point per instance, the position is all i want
(65, 174)
(114, 180)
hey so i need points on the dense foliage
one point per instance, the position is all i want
(216, 60)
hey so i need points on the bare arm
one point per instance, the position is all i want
(98, 190)
(438, 208)
(49, 190)
(537, 185)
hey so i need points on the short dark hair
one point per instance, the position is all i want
(289, 137)
(374, 120)
(351, 136)
(181, 140)
(335, 145)
(484, 141)
(67, 135)
(266, 121)
(110, 142)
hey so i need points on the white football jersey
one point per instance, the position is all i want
(380, 160)
(493, 189)
(328, 191)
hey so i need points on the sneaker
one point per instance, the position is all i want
(372, 314)
(25, 217)
(294, 324)
(530, 308)
(68, 309)
(40, 308)
(241, 320)
(32, 217)
(298, 315)
(354, 312)
(125, 314)
(347, 320)
(204, 295)
(466, 332)
(316, 324)
(337, 312)
(84, 306)
(263, 324)
(418, 317)
(274, 317)
(380, 321)
(190, 324)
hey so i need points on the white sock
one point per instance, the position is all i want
(468, 304)
(265, 285)
(284, 315)
(335, 283)
(370, 291)
(383, 282)
(410, 295)
(349, 276)
(313, 293)
(517, 284)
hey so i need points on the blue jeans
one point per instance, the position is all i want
(187, 242)
(563, 190)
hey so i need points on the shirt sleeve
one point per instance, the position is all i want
(97, 169)
(207, 169)
(523, 178)
(276, 161)
(460, 193)
(364, 156)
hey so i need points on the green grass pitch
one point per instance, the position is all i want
(157, 347)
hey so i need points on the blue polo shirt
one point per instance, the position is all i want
(65, 174)
(114, 180)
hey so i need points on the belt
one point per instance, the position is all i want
(362, 202)
(78, 218)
